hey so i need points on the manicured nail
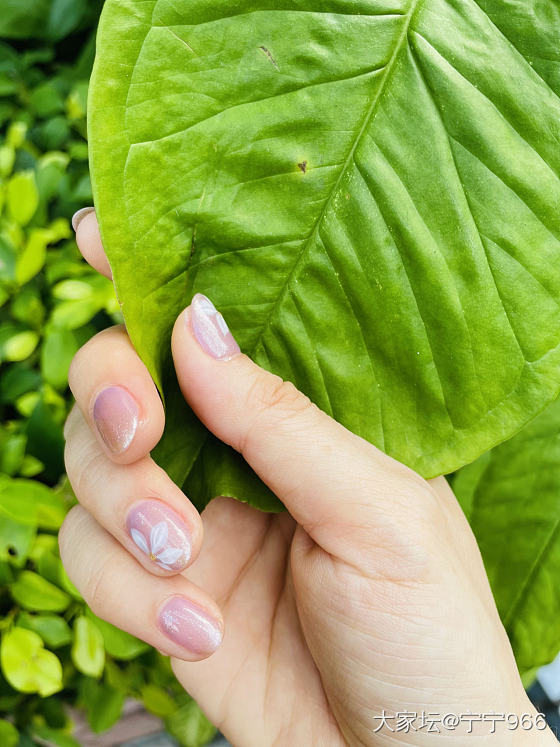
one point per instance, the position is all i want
(190, 626)
(161, 533)
(78, 217)
(210, 329)
(116, 416)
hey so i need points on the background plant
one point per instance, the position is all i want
(54, 652)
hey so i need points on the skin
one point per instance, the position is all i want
(368, 595)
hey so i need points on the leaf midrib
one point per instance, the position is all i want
(367, 119)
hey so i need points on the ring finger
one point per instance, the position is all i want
(173, 615)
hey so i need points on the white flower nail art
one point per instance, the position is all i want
(156, 550)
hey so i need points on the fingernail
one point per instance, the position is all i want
(190, 626)
(78, 217)
(210, 329)
(161, 533)
(116, 416)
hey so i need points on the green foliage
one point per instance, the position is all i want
(407, 194)
(375, 210)
(511, 497)
(53, 650)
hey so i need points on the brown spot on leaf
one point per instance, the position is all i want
(269, 56)
(302, 166)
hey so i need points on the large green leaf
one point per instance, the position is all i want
(511, 497)
(369, 191)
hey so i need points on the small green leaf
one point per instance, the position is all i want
(45, 100)
(189, 726)
(7, 158)
(31, 502)
(59, 347)
(16, 344)
(158, 701)
(16, 541)
(103, 705)
(88, 650)
(23, 197)
(74, 314)
(55, 736)
(6, 575)
(50, 174)
(17, 380)
(64, 16)
(76, 102)
(12, 451)
(30, 467)
(28, 308)
(50, 567)
(9, 735)
(38, 595)
(17, 132)
(45, 440)
(54, 630)
(44, 543)
(118, 643)
(32, 259)
(27, 666)
(7, 259)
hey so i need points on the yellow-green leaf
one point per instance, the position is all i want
(36, 594)
(88, 651)
(27, 666)
(23, 197)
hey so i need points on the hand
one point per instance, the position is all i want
(368, 595)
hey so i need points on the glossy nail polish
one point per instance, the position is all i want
(160, 533)
(210, 329)
(190, 626)
(115, 414)
(80, 215)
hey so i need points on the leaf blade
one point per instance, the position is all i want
(407, 229)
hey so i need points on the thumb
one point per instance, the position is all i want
(312, 463)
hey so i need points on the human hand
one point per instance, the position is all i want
(368, 595)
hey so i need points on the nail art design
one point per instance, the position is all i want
(160, 533)
(116, 416)
(190, 626)
(210, 329)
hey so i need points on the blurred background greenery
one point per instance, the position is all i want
(54, 652)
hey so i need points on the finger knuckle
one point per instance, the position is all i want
(274, 403)
(279, 399)
(99, 582)
(70, 535)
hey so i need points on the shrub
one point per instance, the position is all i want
(54, 651)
